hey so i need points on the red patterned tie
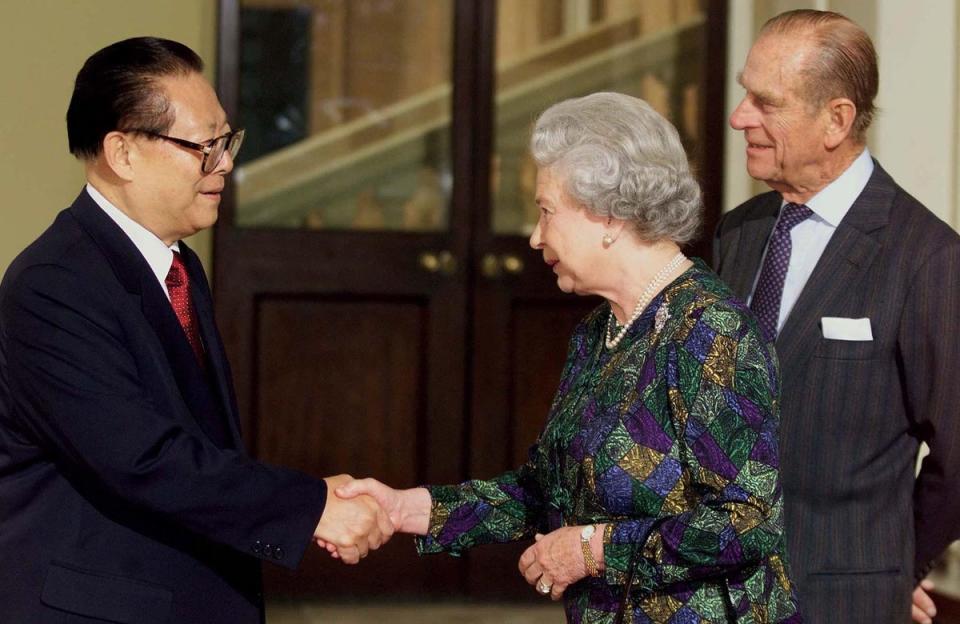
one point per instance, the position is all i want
(178, 285)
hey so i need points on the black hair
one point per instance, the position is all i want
(116, 89)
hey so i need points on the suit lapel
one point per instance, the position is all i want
(753, 239)
(191, 379)
(847, 256)
(216, 355)
(134, 273)
(125, 259)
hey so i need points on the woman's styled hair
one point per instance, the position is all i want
(622, 159)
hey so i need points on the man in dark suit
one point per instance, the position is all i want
(860, 286)
(125, 493)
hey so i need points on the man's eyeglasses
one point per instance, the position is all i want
(212, 150)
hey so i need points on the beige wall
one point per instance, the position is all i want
(916, 132)
(43, 43)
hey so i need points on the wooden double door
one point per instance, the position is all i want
(410, 346)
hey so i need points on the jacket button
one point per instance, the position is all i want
(278, 553)
(257, 547)
(268, 550)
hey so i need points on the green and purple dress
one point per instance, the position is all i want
(670, 438)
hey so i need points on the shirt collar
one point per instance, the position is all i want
(153, 250)
(833, 202)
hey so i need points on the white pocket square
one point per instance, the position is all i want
(837, 328)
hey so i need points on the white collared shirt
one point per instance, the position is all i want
(809, 238)
(153, 250)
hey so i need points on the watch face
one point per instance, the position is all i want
(587, 532)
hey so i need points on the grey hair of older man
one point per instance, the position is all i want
(620, 158)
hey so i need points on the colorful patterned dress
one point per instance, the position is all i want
(671, 439)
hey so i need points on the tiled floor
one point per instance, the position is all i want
(412, 613)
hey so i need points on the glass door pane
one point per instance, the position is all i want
(347, 109)
(551, 50)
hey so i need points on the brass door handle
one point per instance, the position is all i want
(492, 266)
(512, 264)
(438, 262)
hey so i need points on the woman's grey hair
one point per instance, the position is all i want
(621, 159)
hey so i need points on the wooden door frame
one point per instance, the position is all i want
(713, 121)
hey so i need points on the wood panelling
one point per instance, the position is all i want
(540, 332)
(528, 336)
(342, 386)
(345, 377)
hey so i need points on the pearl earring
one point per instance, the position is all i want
(607, 240)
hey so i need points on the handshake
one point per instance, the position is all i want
(363, 514)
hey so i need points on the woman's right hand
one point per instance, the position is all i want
(409, 510)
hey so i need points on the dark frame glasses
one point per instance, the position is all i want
(212, 150)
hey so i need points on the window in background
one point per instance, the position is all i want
(550, 50)
(347, 109)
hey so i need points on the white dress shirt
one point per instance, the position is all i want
(153, 250)
(809, 238)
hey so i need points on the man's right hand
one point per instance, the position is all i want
(354, 527)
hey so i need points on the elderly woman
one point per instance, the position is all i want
(653, 490)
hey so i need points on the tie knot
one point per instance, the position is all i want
(791, 215)
(177, 275)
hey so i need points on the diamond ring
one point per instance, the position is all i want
(543, 588)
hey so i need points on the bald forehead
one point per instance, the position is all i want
(791, 51)
(775, 64)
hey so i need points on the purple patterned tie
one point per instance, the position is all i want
(766, 298)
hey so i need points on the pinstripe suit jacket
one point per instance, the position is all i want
(860, 529)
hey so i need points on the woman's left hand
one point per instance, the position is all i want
(555, 560)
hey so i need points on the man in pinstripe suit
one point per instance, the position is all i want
(860, 285)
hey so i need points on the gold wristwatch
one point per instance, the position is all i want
(592, 568)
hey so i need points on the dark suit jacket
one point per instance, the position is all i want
(859, 528)
(125, 495)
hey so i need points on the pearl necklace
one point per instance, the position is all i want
(642, 302)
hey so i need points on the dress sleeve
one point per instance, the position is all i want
(504, 509)
(724, 510)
